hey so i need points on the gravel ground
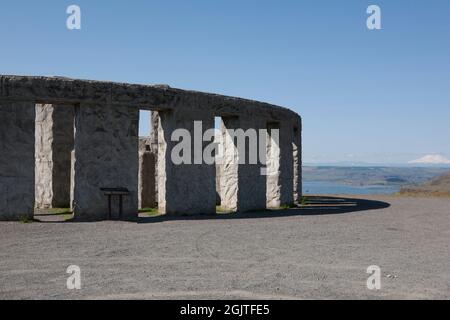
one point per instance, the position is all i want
(318, 252)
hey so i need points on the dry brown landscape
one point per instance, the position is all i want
(439, 186)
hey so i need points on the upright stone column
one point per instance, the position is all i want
(287, 164)
(297, 151)
(106, 156)
(273, 166)
(72, 179)
(44, 156)
(17, 160)
(280, 175)
(229, 167)
(154, 124)
(154, 146)
(147, 178)
(54, 144)
(242, 179)
(184, 189)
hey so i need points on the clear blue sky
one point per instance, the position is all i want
(374, 96)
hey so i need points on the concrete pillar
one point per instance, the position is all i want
(280, 164)
(147, 178)
(54, 144)
(72, 179)
(229, 173)
(273, 166)
(154, 146)
(218, 184)
(154, 124)
(297, 153)
(287, 165)
(17, 126)
(184, 189)
(44, 156)
(242, 183)
(106, 156)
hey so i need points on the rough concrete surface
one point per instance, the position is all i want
(53, 148)
(106, 156)
(17, 160)
(320, 251)
(185, 188)
(102, 128)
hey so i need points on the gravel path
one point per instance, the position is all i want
(321, 251)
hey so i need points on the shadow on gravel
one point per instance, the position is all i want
(316, 205)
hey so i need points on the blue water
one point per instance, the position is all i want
(320, 187)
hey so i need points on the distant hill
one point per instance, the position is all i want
(372, 176)
(439, 186)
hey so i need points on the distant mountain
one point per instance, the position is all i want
(434, 159)
(436, 186)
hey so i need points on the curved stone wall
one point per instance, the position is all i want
(106, 148)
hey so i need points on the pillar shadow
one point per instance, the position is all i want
(316, 205)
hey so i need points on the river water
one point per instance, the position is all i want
(321, 187)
